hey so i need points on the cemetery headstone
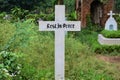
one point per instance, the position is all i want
(111, 24)
(59, 26)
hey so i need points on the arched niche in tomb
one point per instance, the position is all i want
(96, 12)
(111, 27)
(97, 8)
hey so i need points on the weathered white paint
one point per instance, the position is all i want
(59, 44)
(59, 37)
(111, 24)
(59, 25)
(108, 41)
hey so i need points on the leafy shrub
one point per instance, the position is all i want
(9, 66)
(104, 49)
(111, 34)
(72, 16)
(2, 15)
(34, 17)
(70, 7)
(87, 37)
(117, 18)
(28, 72)
(18, 13)
(41, 16)
(46, 17)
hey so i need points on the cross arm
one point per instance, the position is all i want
(59, 26)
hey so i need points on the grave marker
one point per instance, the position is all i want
(111, 24)
(59, 26)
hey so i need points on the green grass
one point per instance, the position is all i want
(111, 34)
(38, 49)
(7, 31)
(90, 38)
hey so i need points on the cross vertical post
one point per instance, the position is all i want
(111, 13)
(59, 44)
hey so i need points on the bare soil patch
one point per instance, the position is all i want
(111, 59)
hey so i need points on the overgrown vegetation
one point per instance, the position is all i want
(111, 34)
(37, 62)
(9, 65)
(24, 37)
(28, 54)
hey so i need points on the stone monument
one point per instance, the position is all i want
(111, 24)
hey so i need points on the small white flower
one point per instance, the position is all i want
(7, 74)
(5, 70)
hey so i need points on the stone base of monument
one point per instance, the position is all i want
(108, 41)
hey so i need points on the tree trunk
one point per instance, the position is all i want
(78, 9)
(60, 2)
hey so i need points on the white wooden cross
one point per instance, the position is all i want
(111, 13)
(59, 26)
